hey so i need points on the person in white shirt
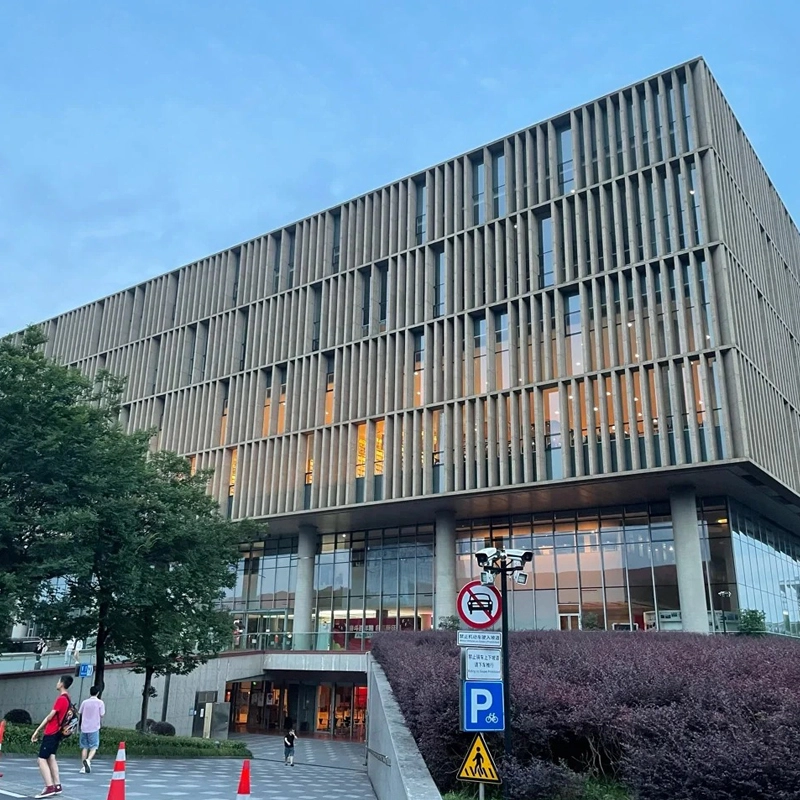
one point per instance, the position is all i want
(68, 651)
(91, 712)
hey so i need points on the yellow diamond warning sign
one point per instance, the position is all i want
(479, 765)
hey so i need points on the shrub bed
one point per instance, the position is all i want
(18, 740)
(669, 716)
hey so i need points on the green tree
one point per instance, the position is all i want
(176, 623)
(147, 561)
(99, 538)
(752, 622)
(50, 421)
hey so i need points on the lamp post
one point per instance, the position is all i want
(724, 595)
(504, 562)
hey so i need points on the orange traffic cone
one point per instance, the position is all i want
(116, 791)
(244, 782)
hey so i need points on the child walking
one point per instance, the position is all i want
(288, 747)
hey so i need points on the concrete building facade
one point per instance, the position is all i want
(581, 339)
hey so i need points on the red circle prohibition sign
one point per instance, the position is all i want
(478, 605)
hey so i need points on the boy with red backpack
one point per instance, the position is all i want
(58, 724)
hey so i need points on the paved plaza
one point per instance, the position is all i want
(324, 770)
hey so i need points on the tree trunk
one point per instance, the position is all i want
(148, 682)
(100, 650)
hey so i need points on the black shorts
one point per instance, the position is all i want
(49, 745)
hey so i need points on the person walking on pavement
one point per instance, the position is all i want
(288, 747)
(91, 712)
(41, 649)
(78, 648)
(48, 766)
(69, 650)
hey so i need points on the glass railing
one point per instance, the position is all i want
(28, 662)
(327, 641)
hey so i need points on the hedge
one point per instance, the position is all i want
(669, 716)
(18, 740)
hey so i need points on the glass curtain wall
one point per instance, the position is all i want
(262, 600)
(612, 568)
(368, 581)
(767, 559)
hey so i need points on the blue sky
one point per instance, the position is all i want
(136, 137)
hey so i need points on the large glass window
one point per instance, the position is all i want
(422, 210)
(552, 433)
(437, 454)
(366, 300)
(611, 568)
(439, 295)
(566, 171)
(695, 204)
(502, 363)
(572, 327)
(687, 114)
(379, 458)
(361, 461)
(478, 191)
(316, 323)
(498, 184)
(479, 354)
(546, 262)
(290, 264)
(309, 476)
(383, 301)
(336, 246)
(419, 368)
(767, 560)
(276, 264)
(266, 418)
(329, 389)
(281, 426)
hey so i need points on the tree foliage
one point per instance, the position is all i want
(99, 538)
(51, 419)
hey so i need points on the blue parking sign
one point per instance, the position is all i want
(482, 706)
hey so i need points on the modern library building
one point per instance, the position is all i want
(581, 340)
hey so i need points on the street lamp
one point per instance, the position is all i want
(724, 595)
(504, 562)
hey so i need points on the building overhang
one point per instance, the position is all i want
(738, 478)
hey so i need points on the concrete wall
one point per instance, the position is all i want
(334, 661)
(35, 691)
(394, 763)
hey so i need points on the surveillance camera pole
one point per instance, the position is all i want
(504, 572)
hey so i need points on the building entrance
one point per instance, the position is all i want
(334, 709)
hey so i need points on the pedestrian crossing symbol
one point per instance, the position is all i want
(479, 765)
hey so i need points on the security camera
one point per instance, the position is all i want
(520, 555)
(487, 579)
(486, 556)
(521, 578)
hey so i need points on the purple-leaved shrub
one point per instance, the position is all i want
(672, 716)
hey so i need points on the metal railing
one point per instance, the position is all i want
(319, 641)
(52, 659)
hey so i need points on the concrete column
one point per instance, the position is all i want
(689, 560)
(302, 638)
(444, 598)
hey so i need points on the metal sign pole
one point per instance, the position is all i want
(504, 651)
(480, 791)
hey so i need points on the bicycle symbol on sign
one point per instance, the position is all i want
(492, 718)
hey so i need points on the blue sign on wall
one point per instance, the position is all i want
(482, 706)
(86, 670)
